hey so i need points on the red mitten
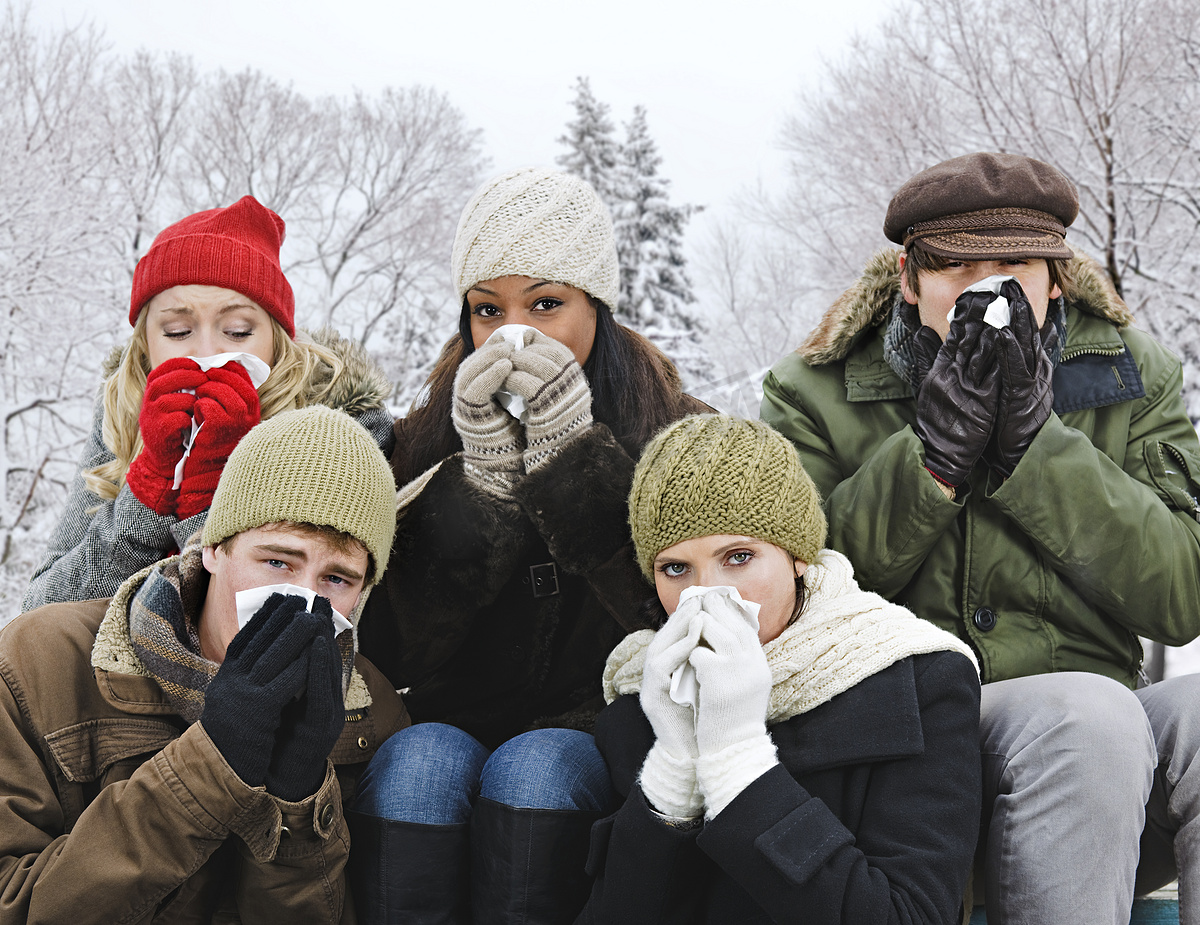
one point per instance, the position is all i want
(226, 408)
(165, 422)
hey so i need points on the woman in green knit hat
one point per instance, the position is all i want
(790, 747)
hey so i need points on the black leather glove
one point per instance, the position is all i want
(956, 403)
(310, 726)
(1026, 389)
(265, 667)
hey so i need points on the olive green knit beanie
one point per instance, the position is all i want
(541, 223)
(709, 474)
(315, 466)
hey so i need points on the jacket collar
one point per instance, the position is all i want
(879, 719)
(867, 304)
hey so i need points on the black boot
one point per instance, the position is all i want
(406, 873)
(527, 864)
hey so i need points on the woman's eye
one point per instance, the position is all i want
(486, 310)
(238, 335)
(673, 569)
(177, 333)
(547, 303)
(741, 557)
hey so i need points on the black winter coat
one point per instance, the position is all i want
(498, 616)
(871, 816)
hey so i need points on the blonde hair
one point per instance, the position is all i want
(302, 374)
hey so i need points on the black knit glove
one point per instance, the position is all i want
(1026, 389)
(956, 403)
(309, 727)
(265, 667)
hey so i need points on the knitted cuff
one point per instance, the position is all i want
(669, 784)
(561, 411)
(725, 774)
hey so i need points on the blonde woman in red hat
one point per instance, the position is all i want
(214, 350)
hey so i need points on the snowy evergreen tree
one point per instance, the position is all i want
(592, 149)
(655, 289)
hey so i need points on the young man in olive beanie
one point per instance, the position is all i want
(1023, 473)
(182, 751)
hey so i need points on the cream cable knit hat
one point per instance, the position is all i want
(537, 222)
(313, 465)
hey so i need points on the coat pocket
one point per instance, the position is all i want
(85, 751)
(1174, 473)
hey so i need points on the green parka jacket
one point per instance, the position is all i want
(1092, 541)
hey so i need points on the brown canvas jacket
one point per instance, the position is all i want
(113, 809)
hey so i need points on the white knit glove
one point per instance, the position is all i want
(735, 688)
(668, 776)
(492, 438)
(553, 385)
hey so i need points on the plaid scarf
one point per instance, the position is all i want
(163, 632)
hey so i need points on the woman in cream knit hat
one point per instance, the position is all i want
(512, 574)
(790, 747)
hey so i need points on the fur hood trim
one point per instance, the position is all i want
(362, 385)
(869, 301)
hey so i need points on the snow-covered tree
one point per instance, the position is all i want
(593, 152)
(656, 295)
(1106, 90)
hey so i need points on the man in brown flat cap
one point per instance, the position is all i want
(1002, 452)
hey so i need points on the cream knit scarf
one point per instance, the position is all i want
(843, 635)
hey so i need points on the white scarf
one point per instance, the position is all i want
(843, 635)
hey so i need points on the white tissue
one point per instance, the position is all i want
(998, 313)
(258, 371)
(251, 600)
(511, 402)
(684, 688)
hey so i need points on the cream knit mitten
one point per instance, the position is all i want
(492, 438)
(560, 402)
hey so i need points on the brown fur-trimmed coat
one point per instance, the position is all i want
(456, 622)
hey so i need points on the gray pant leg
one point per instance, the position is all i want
(1171, 841)
(1068, 761)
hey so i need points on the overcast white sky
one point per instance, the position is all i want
(716, 77)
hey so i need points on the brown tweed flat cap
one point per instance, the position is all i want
(985, 206)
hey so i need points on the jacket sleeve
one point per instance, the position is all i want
(1132, 549)
(885, 513)
(907, 861)
(139, 839)
(646, 870)
(97, 544)
(305, 879)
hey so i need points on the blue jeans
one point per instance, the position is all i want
(432, 773)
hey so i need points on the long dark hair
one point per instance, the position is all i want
(635, 388)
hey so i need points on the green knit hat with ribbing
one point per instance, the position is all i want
(313, 465)
(710, 474)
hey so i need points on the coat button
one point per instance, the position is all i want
(984, 619)
(516, 653)
(326, 815)
(362, 742)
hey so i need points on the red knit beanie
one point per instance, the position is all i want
(236, 248)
